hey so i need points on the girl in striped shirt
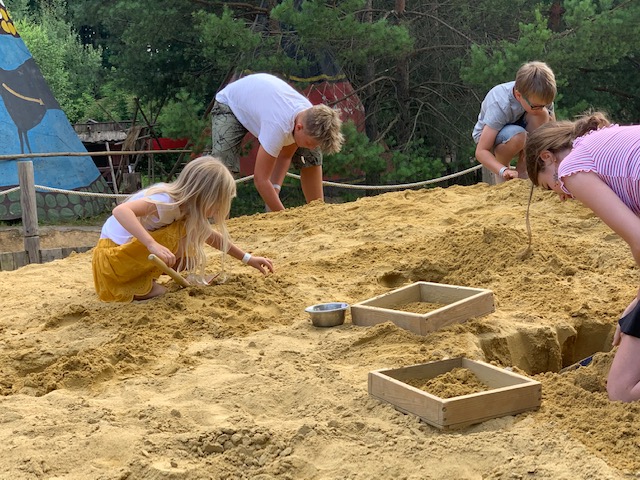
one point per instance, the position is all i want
(599, 164)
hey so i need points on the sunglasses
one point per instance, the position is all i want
(533, 107)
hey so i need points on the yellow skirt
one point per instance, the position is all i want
(121, 272)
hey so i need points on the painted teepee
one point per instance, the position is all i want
(31, 121)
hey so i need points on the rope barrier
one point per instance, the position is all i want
(246, 179)
(82, 194)
(395, 187)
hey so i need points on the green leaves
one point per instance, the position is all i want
(70, 68)
(421, 73)
(182, 117)
(358, 156)
(224, 40)
(320, 25)
(593, 52)
(497, 62)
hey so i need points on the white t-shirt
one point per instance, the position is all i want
(267, 107)
(167, 214)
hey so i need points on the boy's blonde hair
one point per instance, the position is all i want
(205, 187)
(537, 79)
(557, 136)
(323, 123)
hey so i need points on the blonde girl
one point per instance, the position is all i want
(171, 221)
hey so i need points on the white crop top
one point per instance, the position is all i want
(167, 214)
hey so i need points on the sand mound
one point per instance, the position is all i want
(232, 381)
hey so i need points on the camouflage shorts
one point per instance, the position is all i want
(226, 141)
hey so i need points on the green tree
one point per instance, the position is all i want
(358, 157)
(182, 118)
(593, 51)
(217, 39)
(420, 70)
(600, 68)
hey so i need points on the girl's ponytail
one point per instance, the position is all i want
(589, 122)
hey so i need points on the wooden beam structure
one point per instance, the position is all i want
(509, 393)
(461, 304)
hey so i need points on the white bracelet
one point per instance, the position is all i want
(502, 170)
(276, 186)
(246, 258)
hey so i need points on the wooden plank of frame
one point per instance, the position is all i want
(509, 393)
(460, 304)
(50, 254)
(66, 251)
(13, 260)
(7, 261)
(20, 259)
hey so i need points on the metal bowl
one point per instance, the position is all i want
(327, 314)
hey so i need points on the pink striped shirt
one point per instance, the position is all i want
(613, 153)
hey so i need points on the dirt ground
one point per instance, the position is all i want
(232, 381)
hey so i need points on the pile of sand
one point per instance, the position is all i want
(232, 381)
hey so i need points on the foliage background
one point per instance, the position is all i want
(421, 68)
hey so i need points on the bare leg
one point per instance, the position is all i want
(156, 291)
(623, 382)
(506, 151)
(521, 166)
(311, 180)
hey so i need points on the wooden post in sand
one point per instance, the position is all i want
(29, 211)
(488, 176)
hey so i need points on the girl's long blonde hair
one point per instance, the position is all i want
(204, 188)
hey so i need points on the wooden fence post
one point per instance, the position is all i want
(29, 211)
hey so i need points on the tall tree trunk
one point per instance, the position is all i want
(371, 124)
(369, 103)
(405, 125)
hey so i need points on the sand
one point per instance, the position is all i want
(232, 381)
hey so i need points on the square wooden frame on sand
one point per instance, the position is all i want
(509, 394)
(461, 304)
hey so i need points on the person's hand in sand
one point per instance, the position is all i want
(263, 264)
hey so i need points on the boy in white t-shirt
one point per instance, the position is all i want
(508, 112)
(288, 127)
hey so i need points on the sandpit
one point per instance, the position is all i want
(231, 381)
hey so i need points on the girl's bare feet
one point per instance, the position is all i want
(156, 291)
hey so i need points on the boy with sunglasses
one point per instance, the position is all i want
(510, 111)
